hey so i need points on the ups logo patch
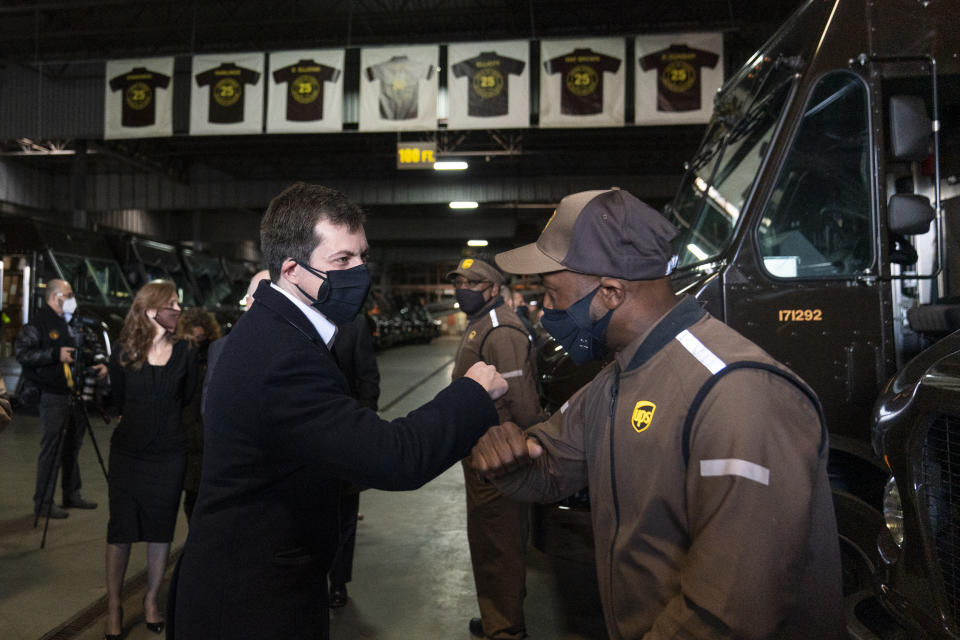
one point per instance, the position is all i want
(642, 416)
(473, 334)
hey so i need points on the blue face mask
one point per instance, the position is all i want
(342, 294)
(582, 338)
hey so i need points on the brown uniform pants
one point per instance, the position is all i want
(497, 530)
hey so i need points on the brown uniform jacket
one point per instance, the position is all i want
(496, 335)
(725, 532)
(6, 413)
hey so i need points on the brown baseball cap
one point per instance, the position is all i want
(475, 269)
(604, 233)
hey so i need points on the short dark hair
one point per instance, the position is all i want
(286, 230)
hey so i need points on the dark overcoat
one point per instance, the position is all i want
(280, 432)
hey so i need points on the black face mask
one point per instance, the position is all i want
(342, 294)
(167, 318)
(582, 338)
(470, 301)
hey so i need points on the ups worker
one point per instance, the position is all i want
(705, 457)
(497, 527)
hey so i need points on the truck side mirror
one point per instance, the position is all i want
(910, 128)
(909, 214)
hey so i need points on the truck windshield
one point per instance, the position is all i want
(720, 177)
(162, 262)
(94, 281)
(210, 279)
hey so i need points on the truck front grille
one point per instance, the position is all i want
(941, 487)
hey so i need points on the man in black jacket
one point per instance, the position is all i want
(281, 431)
(45, 349)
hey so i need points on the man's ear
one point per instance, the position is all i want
(289, 271)
(612, 292)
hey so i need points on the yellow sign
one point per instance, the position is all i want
(416, 155)
(642, 415)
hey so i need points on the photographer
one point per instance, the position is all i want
(45, 349)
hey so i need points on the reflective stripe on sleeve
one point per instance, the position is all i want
(516, 373)
(699, 351)
(565, 406)
(735, 467)
(493, 318)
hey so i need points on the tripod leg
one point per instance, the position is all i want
(85, 425)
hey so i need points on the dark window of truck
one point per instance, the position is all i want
(721, 176)
(819, 219)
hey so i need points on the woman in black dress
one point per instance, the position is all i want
(152, 376)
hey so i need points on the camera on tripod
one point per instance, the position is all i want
(91, 349)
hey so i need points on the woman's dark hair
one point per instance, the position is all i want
(287, 228)
(198, 317)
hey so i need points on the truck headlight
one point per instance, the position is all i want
(893, 511)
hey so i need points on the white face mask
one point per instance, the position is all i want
(69, 306)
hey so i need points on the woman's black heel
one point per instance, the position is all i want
(115, 636)
(156, 627)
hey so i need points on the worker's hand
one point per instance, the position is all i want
(486, 376)
(66, 354)
(502, 449)
(101, 370)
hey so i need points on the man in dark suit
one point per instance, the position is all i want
(282, 432)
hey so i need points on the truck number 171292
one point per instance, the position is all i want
(800, 315)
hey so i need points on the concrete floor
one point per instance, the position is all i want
(411, 576)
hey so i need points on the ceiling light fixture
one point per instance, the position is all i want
(463, 205)
(477, 243)
(450, 165)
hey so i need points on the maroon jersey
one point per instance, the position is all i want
(305, 95)
(678, 79)
(226, 84)
(139, 100)
(581, 88)
(487, 74)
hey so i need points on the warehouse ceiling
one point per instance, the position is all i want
(45, 34)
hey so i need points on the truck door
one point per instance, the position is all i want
(804, 285)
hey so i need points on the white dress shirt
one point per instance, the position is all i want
(324, 327)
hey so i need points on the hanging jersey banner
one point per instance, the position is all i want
(488, 85)
(227, 94)
(677, 77)
(306, 91)
(139, 98)
(398, 88)
(582, 84)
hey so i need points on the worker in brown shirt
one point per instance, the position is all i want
(497, 527)
(706, 459)
(6, 412)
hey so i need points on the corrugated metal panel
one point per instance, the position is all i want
(72, 101)
(19, 112)
(132, 220)
(214, 191)
(25, 187)
(52, 101)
